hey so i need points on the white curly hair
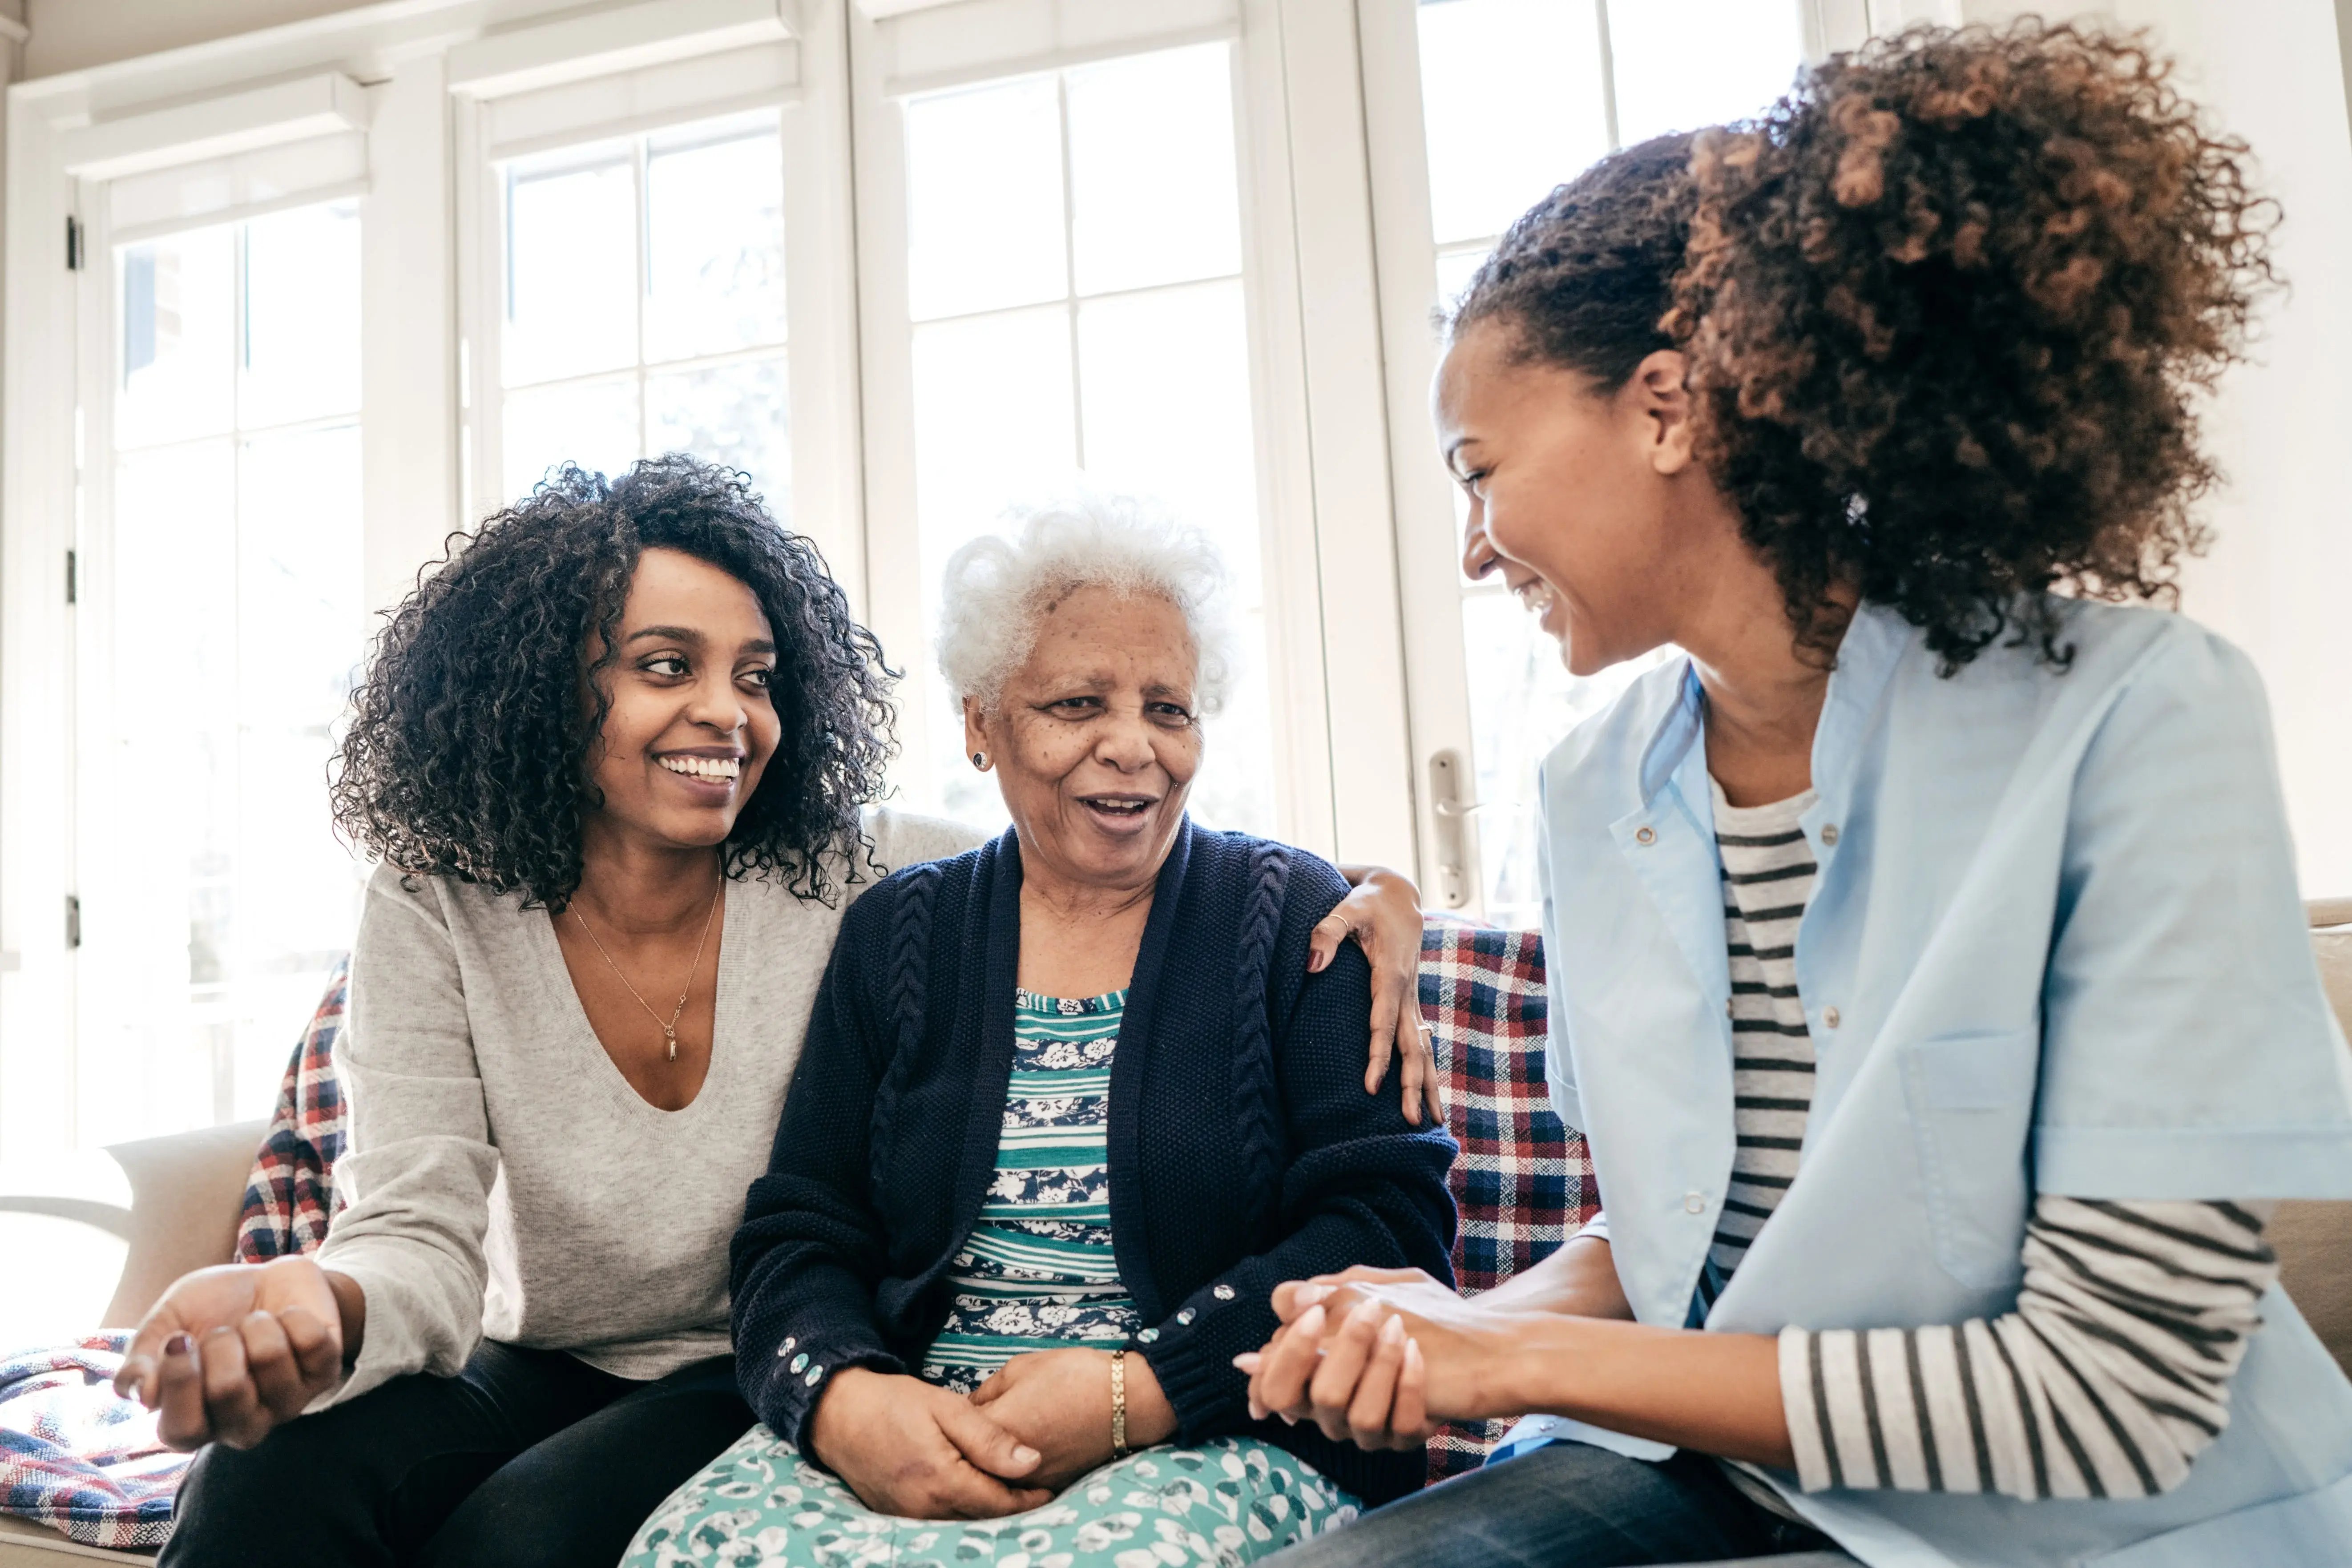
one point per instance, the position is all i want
(998, 585)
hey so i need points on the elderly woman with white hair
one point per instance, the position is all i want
(1071, 1105)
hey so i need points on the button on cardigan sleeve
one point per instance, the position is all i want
(807, 1257)
(2188, 1050)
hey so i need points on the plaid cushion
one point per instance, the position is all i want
(78, 1459)
(291, 1196)
(1523, 1183)
(75, 1457)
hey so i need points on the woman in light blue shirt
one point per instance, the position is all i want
(1927, 964)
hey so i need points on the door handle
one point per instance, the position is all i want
(1446, 804)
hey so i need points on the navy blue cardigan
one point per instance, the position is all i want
(1242, 1146)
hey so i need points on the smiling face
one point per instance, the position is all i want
(691, 725)
(1588, 501)
(1096, 737)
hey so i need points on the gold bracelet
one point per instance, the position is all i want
(1119, 1405)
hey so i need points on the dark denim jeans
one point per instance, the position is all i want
(1571, 1505)
(526, 1457)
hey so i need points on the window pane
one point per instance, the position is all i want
(730, 414)
(715, 244)
(226, 600)
(176, 337)
(157, 920)
(571, 267)
(592, 424)
(1151, 170)
(301, 315)
(1512, 105)
(1512, 94)
(294, 889)
(1746, 53)
(984, 199)
(1167, 409)
(992, 421)
(1522, 700)
(1167, 413)
(1454, 271)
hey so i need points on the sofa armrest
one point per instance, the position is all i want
(187, 1193)
(112, 1219)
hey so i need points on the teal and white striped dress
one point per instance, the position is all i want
(1037, 1270)
(1038, 1264)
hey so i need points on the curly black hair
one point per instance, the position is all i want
(1948, 305)
(468, 756)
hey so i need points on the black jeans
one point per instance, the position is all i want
(1571, 1505)
(526, 1457)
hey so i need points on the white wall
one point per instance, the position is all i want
(2278, 580)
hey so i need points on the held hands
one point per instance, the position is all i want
(1382, 912)
(1377, 1356)
(232, 1352)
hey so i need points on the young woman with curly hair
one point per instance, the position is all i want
(1927, 970)
(614, 757)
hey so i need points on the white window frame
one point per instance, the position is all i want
(1366, 658)
(385, 70)
(795, 68)
(1428, 543)
(1328, 562)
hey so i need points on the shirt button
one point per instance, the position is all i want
(1829, 833)
(1727, 1008)
(1829, 1017)
(1186, 1316)
(1645, 836)
(815, 1373)
(799, 1361)
(1694, 1203)
(1148, 1336)
(1222, 1292)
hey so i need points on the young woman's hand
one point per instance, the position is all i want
(232, 1352)
(1382, 912)
(1376, 1356)
(1058, 1402)
(912, 1449)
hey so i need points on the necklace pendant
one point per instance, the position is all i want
(672, 1037)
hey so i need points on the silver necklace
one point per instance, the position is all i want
(669, 1030)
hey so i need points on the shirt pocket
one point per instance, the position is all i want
(1970, 1098)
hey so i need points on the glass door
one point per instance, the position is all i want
(1510, 97)
(1064, 301)
(221, 628)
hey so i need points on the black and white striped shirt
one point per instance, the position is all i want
(1768, 880)
(2113, 1371)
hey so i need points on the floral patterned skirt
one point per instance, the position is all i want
(1228, 1500)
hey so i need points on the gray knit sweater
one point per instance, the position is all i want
(502, 1177)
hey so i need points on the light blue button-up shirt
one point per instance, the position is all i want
(2055, 945)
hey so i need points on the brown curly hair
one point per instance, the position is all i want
(1948, 306)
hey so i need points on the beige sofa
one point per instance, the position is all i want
(186, 1192)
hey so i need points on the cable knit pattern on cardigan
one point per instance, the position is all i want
(1256, 1108)
(844, 1253)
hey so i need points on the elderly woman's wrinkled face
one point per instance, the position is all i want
(1096, 737)
(691, 725)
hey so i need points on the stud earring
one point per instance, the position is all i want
(980, 760)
